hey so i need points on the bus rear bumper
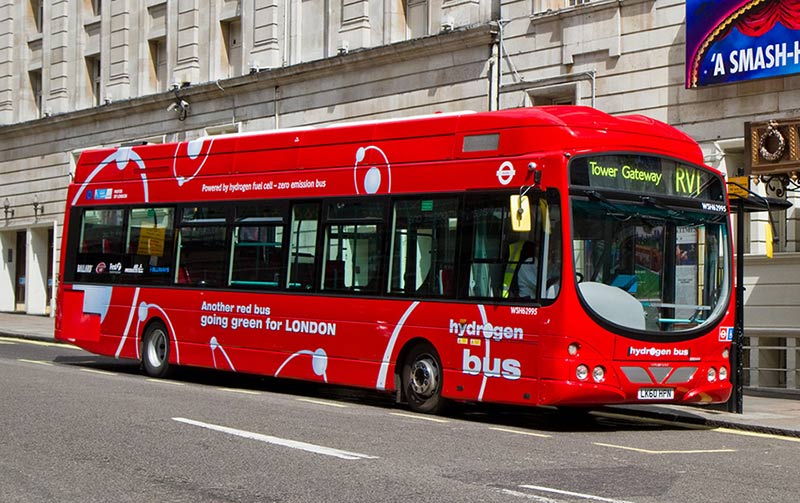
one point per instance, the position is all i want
(75, 326)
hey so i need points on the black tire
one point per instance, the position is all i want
(155, 350)
(422, 378)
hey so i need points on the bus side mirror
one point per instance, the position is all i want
(520, 213)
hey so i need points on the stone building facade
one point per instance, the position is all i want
(77, 74)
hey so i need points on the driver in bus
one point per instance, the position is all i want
(520, 278)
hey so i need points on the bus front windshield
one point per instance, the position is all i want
(649, 263)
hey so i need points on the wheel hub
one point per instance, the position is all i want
(424, 377)
(157, 349)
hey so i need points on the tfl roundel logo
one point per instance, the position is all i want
(372, 173)
(505, 173)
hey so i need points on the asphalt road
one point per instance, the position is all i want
(77, 427)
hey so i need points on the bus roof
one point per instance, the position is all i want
(429, 138)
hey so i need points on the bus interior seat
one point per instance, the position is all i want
(334, 274)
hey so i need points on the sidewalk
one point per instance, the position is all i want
(762, 414)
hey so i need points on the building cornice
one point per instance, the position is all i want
(458, 39)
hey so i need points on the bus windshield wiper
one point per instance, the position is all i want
(653, 203)
(612, 209)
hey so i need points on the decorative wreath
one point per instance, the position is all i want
(772, 130)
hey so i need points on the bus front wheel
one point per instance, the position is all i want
(155, 350)
(422, 379)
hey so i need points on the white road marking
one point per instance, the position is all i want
(690, 426)
(536, 497)
(242, 391)
(321, 402)
(101, 372)
(648, 451)
(519, 432)
(294, 444)
(423, 418)
(591, 497)
(756, 434)
(37, 362)
(165, 381)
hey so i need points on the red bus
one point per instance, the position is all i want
(540, 256)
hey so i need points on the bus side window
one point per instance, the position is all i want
(353, 245)
(302, 264)
(486, 265)
(552, 250)
(509, 265)
(202, 256)
(423, 249)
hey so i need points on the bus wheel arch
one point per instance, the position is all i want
(156, 349)
(420, 375)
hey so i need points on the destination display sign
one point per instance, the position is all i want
(645, 174)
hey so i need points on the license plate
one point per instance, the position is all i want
(656, 393)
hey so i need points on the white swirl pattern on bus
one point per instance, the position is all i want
(319, 362)
(387, 355)
(122, 156)
(193, 150)
(215, 345)
(372, 180)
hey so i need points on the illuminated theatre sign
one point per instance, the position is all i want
(736, 40)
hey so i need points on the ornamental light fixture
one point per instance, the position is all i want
(7, 209)
(38, 208)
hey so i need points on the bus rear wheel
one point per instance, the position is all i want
(422, 380)
(155, 350)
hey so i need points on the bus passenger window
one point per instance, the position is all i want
(302, 265)
(486, 266)
(102, 231)
(423, 248)
(352, 257)
(151, 234)
(353, 245)
(202, 257)
(257, 248)
(100, 243)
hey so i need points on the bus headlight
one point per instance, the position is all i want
(725, 353)
(599, 374)
(582, 372)
(573, 348)
(723, 373)
(712, 374)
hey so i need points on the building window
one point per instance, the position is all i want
(232, 41)
(556, 94)
(93, 7)
(417, 18)
(313, 30)
(546, 6)
(93, 79)
(158, 65)
(35, 78)
(37, 14)
(229, 128)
